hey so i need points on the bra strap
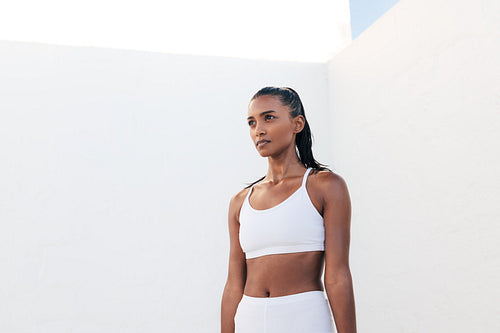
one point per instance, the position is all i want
(250, 191)
(305, 177)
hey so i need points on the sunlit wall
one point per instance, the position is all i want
(116, 175)
(415, 121)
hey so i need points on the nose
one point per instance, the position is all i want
(259, 130)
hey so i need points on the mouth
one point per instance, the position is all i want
(261, 142)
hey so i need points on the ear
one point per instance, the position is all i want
(299, 123)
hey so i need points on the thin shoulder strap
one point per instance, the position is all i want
(248, 193)
(305, 177)
(250, 190)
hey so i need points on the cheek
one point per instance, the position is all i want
(283, 133)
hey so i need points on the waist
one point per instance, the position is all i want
(301, 296)
(282, 274)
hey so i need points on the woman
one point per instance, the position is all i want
(283, 228)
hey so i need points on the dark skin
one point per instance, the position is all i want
(290, 273)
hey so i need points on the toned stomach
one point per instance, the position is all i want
(284, 274)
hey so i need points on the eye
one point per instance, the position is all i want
(250, 123)
(269, 115)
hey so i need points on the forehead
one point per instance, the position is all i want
(266, 103)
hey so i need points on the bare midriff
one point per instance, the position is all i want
(284, 274)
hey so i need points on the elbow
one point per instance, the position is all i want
(340, 284)
(233, 290)
(234, 287)
(341, 277)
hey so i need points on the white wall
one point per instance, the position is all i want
(117, 170)
(415, 105)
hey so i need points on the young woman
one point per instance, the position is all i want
(284, 228)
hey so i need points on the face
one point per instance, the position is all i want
(271, 127)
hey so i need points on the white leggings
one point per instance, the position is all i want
(306, 312)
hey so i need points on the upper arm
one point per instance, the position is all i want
(337, 220)
(237, 263)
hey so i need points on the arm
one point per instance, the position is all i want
(236, 279)
(338, 281)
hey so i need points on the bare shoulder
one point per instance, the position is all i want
(329, 185)
(236, 202)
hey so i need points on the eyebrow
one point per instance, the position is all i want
(262, 113)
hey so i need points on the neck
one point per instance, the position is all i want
(279, 170)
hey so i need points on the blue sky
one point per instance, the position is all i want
(173, 27)
(365, 12)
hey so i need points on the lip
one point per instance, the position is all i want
(261, 142)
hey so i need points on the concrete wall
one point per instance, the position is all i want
(117, 170)
(415, 106)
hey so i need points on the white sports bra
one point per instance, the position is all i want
(293, 225)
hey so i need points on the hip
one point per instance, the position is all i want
(295, 313)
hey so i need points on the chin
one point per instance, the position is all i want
(264, 153)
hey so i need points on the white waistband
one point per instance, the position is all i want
(306, 295)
